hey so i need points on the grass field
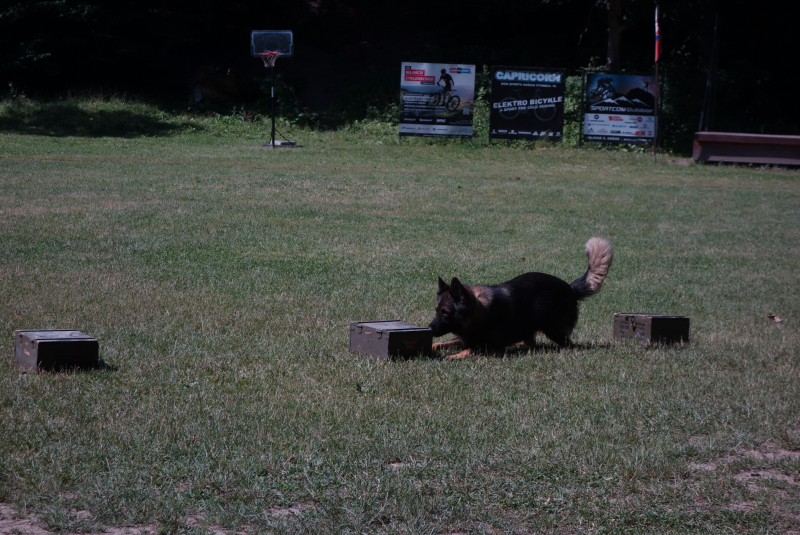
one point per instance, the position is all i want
(220, 277)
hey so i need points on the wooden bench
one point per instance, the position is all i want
(746, 148)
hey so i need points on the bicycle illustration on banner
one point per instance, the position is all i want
(449, 102)
(527, 103)
(543, 108)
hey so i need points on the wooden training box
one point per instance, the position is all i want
(55, 349)
(651, 328)
(389, 339)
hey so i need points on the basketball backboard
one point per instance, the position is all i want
(271, 41)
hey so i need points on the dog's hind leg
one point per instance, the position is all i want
(559, 335)
(560, 324)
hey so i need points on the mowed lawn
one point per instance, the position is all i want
(220, 277)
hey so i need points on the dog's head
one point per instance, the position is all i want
(454, 307)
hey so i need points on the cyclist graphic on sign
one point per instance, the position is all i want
(445, 97)
(605, 81)
(448, 84)
(436, 99)
(604, 89)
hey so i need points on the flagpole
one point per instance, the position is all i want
(655, 119)
(658, 90)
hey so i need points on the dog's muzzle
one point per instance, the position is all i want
(437, 328)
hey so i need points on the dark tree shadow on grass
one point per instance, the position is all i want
(525, 350)
(544, 348)
(101, 366)
(68, 119)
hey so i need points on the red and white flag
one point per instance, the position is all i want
(658, 38)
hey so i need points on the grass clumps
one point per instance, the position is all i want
(220, 277)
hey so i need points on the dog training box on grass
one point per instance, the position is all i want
(54, 349)
(389, 339)
(651, 328)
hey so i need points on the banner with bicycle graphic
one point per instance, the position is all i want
(527, 103)
(436, 99)
(619, 108)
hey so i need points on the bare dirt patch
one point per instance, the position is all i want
(292, 510)
(772, 452)
(748, 475)
(777, 488)
(768, 451)
(200, 521)
(11, 523)
(742, 507)
(127, 530)
(706, 467)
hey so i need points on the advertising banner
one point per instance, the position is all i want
(527, 103)
(619, 108)
(436, 99)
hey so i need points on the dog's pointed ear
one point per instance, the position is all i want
(443, 287)
(456, 288)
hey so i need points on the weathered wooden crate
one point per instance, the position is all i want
(389, 339)
(55, 349)
(651, 328)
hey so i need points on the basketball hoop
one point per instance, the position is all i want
(268, 45)
(269, 58)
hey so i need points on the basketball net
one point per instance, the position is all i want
(269, 58)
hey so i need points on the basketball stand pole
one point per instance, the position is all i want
(272, 104)
(273, 143)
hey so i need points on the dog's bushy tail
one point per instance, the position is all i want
(600, 254)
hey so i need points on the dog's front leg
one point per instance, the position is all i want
(455, 343)
(530, 342)
(461, 355)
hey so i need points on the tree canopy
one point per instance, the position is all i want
(154, 48)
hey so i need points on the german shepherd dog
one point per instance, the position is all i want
(494, 317)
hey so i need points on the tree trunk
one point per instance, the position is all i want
(615, 29)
